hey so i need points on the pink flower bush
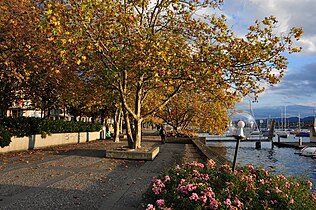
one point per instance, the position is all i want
(198, 186)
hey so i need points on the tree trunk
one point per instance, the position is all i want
(117, 122)
(129, 134)
(138, 134)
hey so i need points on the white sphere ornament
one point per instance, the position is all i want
(242, 119)
(241, 124)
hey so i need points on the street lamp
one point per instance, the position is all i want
(245, 124)
(238, 136)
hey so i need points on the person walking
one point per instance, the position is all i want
(163, 134)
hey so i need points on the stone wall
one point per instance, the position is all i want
(36, 141)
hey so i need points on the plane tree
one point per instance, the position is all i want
(196, 110)
(166, 46)
(29, 68)
(19, 21)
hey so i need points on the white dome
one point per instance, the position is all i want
(242, 119)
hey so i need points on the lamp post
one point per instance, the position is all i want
(239, 136)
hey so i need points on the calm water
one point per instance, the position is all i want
(277, 160)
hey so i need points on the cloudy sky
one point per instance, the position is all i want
(298, 87)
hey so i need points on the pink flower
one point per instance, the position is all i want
(250, 167)
(274, 202)
(228, 202)
(266, 172)
(211, 163)
(310, 184)
(280, 177)
(194, 163)
(277, 190)
(291, 201)
(206, 177)
(186, 189)
(225, 168)
(150, 207)
(160, 202)
(158, 185)
(196, 173)
(214, 204)
(238, 203)
(209, 193)
(167, 178)
(204, 198)
(194, 197)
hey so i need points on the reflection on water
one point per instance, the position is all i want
(277, 160)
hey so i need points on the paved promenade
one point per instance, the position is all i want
(80, 177)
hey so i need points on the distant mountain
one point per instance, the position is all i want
(278, 111)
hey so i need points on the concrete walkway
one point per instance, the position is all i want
(79, 177)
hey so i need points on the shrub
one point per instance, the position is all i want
(5, 136)
(198, 186)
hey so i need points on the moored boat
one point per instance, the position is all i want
(282, 133)
(302, 134)
(308, 151)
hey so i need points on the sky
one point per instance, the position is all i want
(298, 87)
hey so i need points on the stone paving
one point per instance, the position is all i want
(80, 177)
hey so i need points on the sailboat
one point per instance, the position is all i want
(299, 132)
(283, 133)
(312, 136)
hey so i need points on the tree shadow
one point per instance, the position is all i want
(83, 152)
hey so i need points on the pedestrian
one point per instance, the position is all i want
(163, 134)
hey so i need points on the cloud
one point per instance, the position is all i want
(297, 84)
(290, 13)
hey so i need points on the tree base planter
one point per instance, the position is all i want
(126, 153)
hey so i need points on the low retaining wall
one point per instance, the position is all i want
(36, 141)
(208, 152)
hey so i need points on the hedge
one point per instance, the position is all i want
(26, 126)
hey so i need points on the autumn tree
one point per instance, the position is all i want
(18, 23)
(29, 67)
(196, 110)
(166, 46)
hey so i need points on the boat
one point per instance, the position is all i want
(308, 151)
(302, 134)
(312, 135)
(282, 133)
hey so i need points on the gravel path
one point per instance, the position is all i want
(80, 177)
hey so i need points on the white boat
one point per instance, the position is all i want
(312, 136)
(282, 133)
(308, 151)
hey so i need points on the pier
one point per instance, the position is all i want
(296, 145)
(257, 139)
(232, 139)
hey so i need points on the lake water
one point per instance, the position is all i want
(278, 160)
